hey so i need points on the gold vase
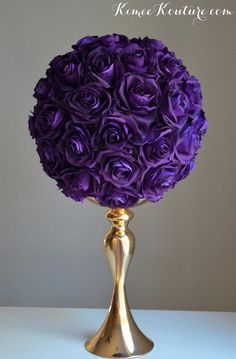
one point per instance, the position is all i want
(119, 336)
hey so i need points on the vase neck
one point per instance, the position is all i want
(119, 243)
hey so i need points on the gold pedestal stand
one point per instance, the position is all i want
(119, 336)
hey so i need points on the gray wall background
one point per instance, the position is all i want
(51, 249)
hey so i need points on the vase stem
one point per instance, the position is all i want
(119, 335)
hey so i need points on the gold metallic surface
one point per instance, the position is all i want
(119, 336)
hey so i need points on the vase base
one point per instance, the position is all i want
(119, 341)
(106, 352)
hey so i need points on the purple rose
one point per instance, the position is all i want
(168, 66)
(79, 183)
(114, 197)
(67, 71)
(183, 99)
(44, 90)
(158, 180)
(116, 130)
(119, 169)
(87, 42)
(185, 169)
(49, 120)
(138, 94)
(75, 144)
(88, 102)
(139, 60)
(187, 145)
(115, 42)
(157, 45)
(160, 149)
(103, 66)
(175, 107)
(200, 124)
(192, 89)
(50, 158)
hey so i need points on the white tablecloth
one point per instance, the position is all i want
(60, 333)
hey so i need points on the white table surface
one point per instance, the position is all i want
(60, 333)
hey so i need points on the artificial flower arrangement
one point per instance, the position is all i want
(117, 119)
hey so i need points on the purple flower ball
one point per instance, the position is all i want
(117, 119)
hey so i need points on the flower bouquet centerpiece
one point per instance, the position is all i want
(119, 122)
